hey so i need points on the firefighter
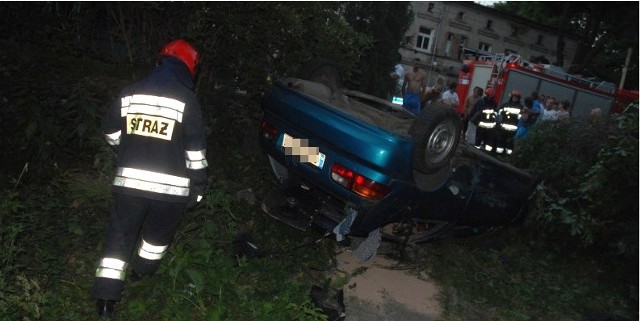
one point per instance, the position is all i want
(157, 130)
(508, 123)
(484, 117)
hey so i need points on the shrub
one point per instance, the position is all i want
(589, 167)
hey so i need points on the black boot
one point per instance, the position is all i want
(105, 308)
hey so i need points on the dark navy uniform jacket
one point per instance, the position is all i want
(157, 128)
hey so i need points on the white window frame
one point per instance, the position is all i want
(421, 37)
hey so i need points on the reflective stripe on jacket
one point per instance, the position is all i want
(509, 115)
(152, 181)
(157, 126)
(488, 119)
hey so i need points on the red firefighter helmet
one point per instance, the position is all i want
(490, 92)
(184, 51)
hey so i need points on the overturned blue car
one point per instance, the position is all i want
(350, 163)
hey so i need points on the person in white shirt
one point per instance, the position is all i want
(550, 112)
(397, 76)
(450, 97)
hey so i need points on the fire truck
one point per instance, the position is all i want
(505, 73)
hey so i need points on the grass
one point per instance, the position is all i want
(51, 239)
(508, 274)
(52, 234)
(499, 275)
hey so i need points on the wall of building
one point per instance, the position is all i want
(443, 31)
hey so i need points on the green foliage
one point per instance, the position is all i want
(26, 299)
(12, 227)
(37, 235)
(54, 120)
(247, 44)
(553, 217)
(51, 239)
(590, 189)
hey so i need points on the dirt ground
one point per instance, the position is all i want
(386, 289)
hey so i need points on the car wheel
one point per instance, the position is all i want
(414, 231)
(436, 133)
(323, 71)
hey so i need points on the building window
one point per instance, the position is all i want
(489, 24)
(460, 15)
(462, 47)
(449, 44)
(424, 39)
(483, 46)
(540, 40)
(430, 7)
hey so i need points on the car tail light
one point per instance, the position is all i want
(342, 175)
(267, 131)
(357, 183)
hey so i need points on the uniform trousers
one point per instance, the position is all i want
(505, 139)
(486, 138)
(131, 217)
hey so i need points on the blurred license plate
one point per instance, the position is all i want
(300, 148)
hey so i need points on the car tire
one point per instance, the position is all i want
(436, 133)
(323, 71)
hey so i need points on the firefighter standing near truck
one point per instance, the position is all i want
(483, 116)
(157, 129)
(507, 123)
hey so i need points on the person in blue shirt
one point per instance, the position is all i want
(530, 113)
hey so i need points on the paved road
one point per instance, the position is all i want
(383, 289)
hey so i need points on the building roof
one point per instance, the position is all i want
(513, 17)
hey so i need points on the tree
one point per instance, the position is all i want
(246, 43)
(386, 23)
(605, 31)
